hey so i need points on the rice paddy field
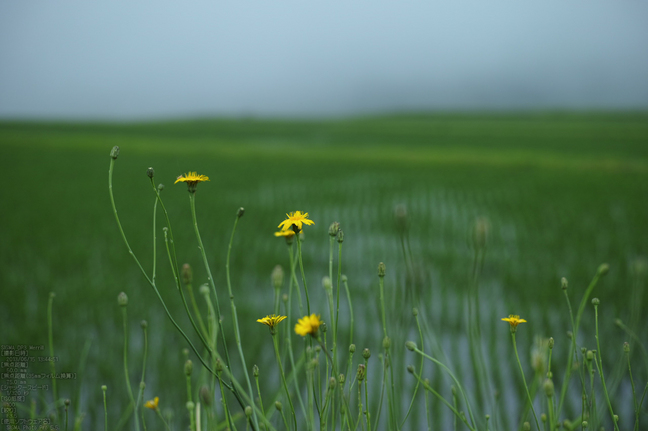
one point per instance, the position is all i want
(556, 195)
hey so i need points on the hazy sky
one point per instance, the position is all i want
(148, 59)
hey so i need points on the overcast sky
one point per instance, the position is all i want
(157, 59)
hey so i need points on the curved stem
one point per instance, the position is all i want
(524, 381)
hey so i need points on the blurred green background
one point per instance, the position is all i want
(563, 193)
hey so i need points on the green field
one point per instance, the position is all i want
(563, 193)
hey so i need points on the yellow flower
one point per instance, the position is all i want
(308, 325)
(514, 320)
(152, 404)
(271, 320)
(286, 233)
(296, 219)
(192, 179)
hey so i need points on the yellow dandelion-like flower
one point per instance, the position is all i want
(271, 320)
(513, 320)
(296, 219)
(286, 233)
(192, 179)
(152, 404)
(308, 325)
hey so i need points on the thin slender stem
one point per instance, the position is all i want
(128, 385)
(301, 267)
(283, 378)
(409, 410)
(634, 394)
(348, 294)
(103, 389)
(524, 381)
(599, 365)
(50, 336)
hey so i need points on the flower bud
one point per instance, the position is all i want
(589, 355)
(551, 342)
(526, 426)
(410, 369)
(142, 385)
(415, 311)
(326, 283)
(400, 217)
(277, 277)
(341, 379)
(563, 283)
(104, 388)
(332, 382)
(334, 228)
(188, 367)
(411, 345)
(240, 212)
(284, 297)
(190, 406)
(595, 301)
(543, 418)
(323, 327)
(603, 269)
(366, 353)
(205, 395)
(343, 278)
(248, 411)
(481, 231)
(114, 153)
(352, 348)
(160, 187)
(278, 406)
(144, 324)
(122, 299)
(570, 334)
(67, 402)
(150, 172)
(548, 387)
(362, 370)
(187, 274)
(585, 424)
(340, 236)
(255, 370)
(204, 289)
(386, 343)
(219, 366)
(616, 418)
(381, 270)
(626, 347)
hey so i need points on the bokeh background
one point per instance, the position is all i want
(531, 118)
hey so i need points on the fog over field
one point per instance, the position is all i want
(134, 60)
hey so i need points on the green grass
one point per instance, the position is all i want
(563, 193)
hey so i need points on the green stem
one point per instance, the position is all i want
(524, 381)
(166, 424)
(634, 394)
(348, 294)
(301, 267)
(409, 410)
(50, 336)
(599, 365)
(283, 377)
(128, 385)
(237, 334)
(103, 389)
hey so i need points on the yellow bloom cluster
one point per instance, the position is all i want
(308, 325)
(296, 219)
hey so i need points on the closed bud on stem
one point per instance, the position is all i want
(187, 274)
(104, 388)
(240, 212)
(284, 297)
(191, 406)
(583, 350)
(410, 369)
(278, 406)
(616, 418)
(362, 370)
(219, 366)
(67, 402)
(595, 301)
(326, 283)
(551, 342)
(344, 278)
(352, 348)
(341, 379)
(543, 418)
(400, 217)
(332, 382)
(150, 172)
(589, 356)
(563, 283)
(603, 269)
(142, 385)
(160, 187)
(340, 236)
(454, 391)
(415, 311)
(386, 343)
(585, 424)
(277, 277)
(205, 395)
(122, 299)
(334, 228)
(526, 426)
(323, 327)
(626, 347)
(255, 370)
(481, 231)
(411, 345)
(188, 367)
(144, 324)
(114, 153)
(570, 334)
(204, 289)
(248, 411)
(548, 387)
(366, 353)
(381, 270)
